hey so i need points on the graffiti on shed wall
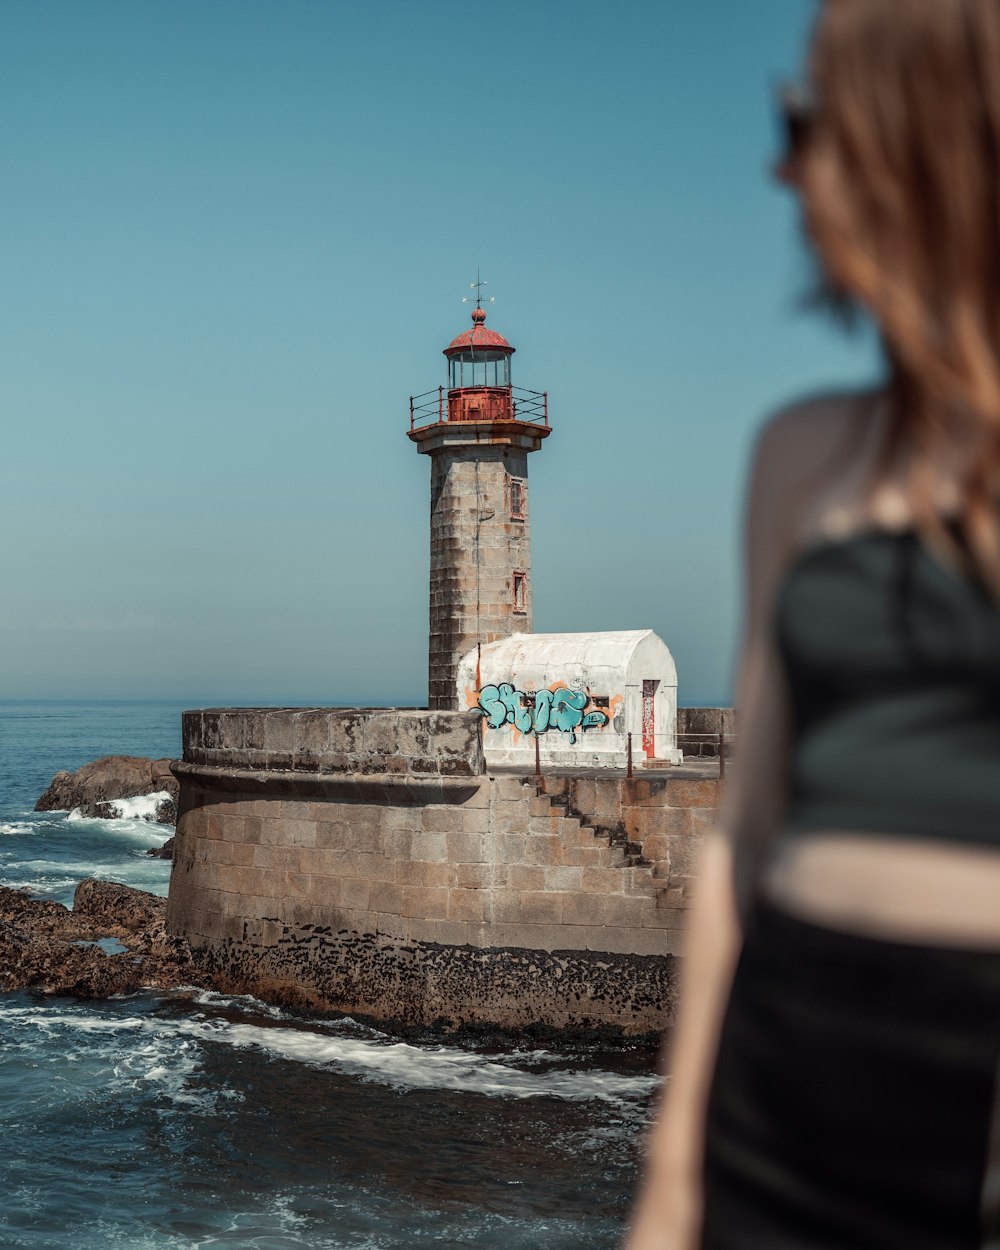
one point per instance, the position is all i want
(559, 708)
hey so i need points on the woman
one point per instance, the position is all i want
(834, 1066)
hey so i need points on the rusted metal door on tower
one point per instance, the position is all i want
(649, 717)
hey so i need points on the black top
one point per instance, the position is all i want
(893, 666)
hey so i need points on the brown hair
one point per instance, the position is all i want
(901, 188)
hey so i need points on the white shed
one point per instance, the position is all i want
(579, 696)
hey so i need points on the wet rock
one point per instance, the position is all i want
(98, 811)
(166, 814)
(166, 851)
(46, 947)
(109, 778)
(118, 905)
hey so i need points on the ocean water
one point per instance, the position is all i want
(192, 1120)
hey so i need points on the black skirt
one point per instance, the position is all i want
(852, 1106)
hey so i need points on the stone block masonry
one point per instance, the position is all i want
(363, 861)
(476, 545)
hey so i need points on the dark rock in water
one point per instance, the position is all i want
(166, 851)
(45, 946)
(110, 778)
(166, 814)
(98, 811)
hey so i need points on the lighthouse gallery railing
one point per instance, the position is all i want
(431, 408)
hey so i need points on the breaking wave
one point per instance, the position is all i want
(15, 828)
(166, 1050)
(140, 807)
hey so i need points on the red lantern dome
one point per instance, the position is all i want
(479, 343)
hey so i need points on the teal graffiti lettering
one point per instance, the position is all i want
(560, 709)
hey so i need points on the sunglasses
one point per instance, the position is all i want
(797, 109)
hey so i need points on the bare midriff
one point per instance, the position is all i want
(893, 887)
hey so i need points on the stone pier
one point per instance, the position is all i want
(364, 861)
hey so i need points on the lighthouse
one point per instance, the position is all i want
(478, 431)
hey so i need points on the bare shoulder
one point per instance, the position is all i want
(812, 426)
(807, 453)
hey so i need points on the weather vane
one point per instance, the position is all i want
(477, 286)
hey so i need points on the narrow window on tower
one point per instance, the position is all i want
(516, 499)
(520, 591)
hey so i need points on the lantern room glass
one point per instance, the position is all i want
(482, 368)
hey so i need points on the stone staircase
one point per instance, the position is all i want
(557, 792)
(554, 800)
(635, 838)
(652, 825)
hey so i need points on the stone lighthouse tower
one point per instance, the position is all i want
(478, 432)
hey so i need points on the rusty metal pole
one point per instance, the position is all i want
(411, 412)
(538, 757)
(628, 772)
(722, 755)
(440, 403)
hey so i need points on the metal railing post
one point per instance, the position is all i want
(628, 771)
(411, 412)
(722, 755)
(538, 756)
(440, 403)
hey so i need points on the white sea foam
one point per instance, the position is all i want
(54, 878)
(130, 1053)
(231, 1002)
(140, 807)
(41, 885)
(172, 1046)
(16, 828)
(411, 1067)
(42, 870)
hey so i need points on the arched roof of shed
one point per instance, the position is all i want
(612, 649)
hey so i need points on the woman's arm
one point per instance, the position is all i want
(668, 1214)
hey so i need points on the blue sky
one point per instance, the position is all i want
(235, 238)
